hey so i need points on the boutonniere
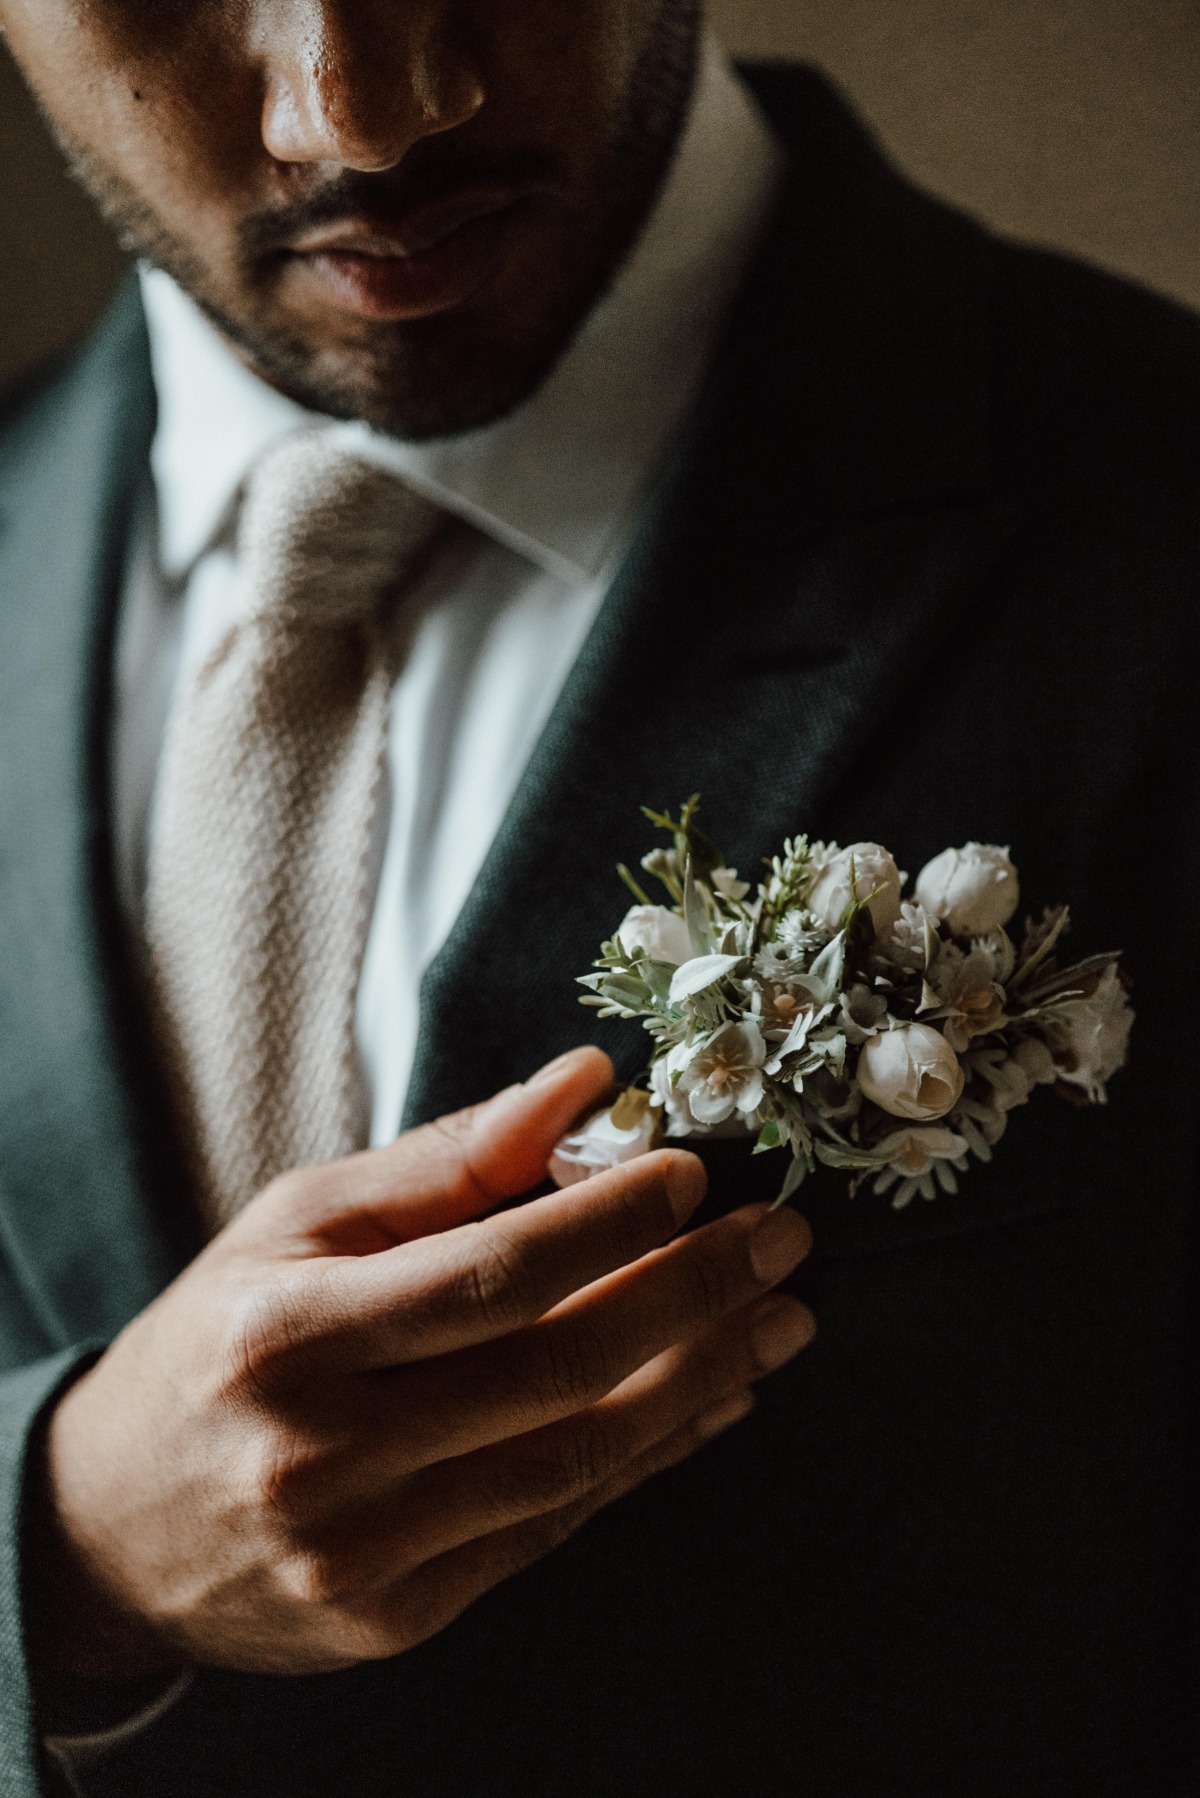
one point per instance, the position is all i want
(829, 1015)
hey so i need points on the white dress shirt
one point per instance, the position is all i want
(548, 499)
(550, 494)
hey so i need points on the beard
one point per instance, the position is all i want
(469, 367)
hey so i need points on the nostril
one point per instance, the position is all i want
(362, 98)
(361, 122)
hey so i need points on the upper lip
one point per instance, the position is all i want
(413, 231)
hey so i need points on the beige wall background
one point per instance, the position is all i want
(1075, 122)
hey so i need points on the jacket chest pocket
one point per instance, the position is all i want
(1052, 1158)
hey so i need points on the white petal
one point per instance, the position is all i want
(701, 972)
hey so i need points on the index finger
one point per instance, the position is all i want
(487, 1278)
(430, 1178)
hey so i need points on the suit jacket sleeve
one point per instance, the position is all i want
(26, 1396)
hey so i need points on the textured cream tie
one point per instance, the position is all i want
(261, 852)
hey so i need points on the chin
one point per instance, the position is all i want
(437, 377)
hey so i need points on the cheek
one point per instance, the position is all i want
(148, 90)
(562, 70)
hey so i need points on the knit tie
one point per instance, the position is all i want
(261, 859)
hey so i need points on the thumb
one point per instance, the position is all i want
(439, 1175)
(510, 1139)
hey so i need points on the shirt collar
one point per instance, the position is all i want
(560, 479)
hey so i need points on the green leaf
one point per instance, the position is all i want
(833, 1155)
(858, 926)
(1060, 918)
(624, 989)
(797, 1174)
(768, 1138)
(695, 916)
(1067, 977)
(705, 856)
(824, 978)
(639, 892)
(658, 976)
(701, 972)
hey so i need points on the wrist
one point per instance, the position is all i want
(81, 1632)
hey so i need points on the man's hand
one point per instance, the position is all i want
(360, 1408)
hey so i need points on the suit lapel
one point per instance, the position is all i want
(74, 1217)
(806, 554)
(810, 548)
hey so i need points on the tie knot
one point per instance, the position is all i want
(324, 535)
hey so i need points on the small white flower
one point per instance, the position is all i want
(678, 1119)
(775, 961)
(863, 872)
(725, 881)
(973, 890)
(1089, 1037)
(661, 933)
(776, 1006)
(833, 1096)
(599, 1144)
(1009, 1082)
(917, 1154)
(725, 1075)
(1000, 1082)
(913, 942)
(963, 981)
(911, 1072)
(801, 934)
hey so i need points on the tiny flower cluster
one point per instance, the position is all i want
(831, 1015)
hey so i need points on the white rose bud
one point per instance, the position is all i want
(661, 933)
(600, 1144)
(875, 878)
(973, 890)
(911, 1072)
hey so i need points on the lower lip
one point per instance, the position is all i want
(398, 289)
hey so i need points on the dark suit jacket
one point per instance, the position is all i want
(925, 566)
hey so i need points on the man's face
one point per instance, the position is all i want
(399, 210)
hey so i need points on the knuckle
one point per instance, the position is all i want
(541, 1483)
(266, 1326)
(708, 1288)
(634, 1221)
(290, 1473)
(579, 1365)
(317, 1579)
(279, 1486)
(450, 1139)
(501, 1285)
(590, 1460)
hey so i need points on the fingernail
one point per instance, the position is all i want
(552, 1067)
(686, 1181)
(779, 1244)
(725, 1415)
(779, 1334)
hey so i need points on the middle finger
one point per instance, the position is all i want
(589, 1344)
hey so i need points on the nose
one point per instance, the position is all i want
(360, 82)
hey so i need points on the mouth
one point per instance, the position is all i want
(423, 262)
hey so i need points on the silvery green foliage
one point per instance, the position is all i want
(828, 1015)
